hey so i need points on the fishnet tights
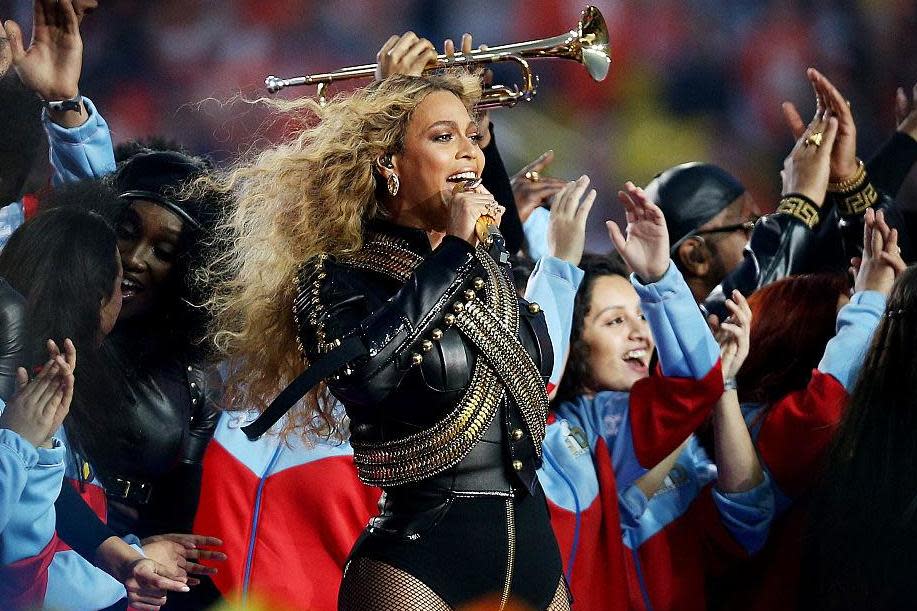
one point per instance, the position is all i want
(370, 585)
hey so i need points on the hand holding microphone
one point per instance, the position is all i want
(474, 214)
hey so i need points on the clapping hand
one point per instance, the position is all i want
(39, 407)
(645, 248)
(828, 99)
(881, 262)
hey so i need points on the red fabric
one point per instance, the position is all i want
(792, 442)
(310, 517)
(665, 410)
(797, 431)
(770, 580)
(677, 561)
(598, 580)
(23, 583)
(29, 205)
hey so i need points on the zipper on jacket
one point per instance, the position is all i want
(510, 551)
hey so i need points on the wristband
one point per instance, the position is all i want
(729, 384)
(800, 207)
(74, 104)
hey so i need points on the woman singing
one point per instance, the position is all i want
(361, 231)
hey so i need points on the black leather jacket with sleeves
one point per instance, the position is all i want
(12, 337)
(448, 347)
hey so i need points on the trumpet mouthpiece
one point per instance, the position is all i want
(273, 84)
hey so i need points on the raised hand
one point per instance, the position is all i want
(906, 112)
(531, 189)
(407, 54)
(843, 162)
(733, 335)
(881, 262)
(645, 248)
(52, 64)
(807, 168)
(39, 407)
(567, 225)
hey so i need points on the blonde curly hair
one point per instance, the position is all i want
(309, 195)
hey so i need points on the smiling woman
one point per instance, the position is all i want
(359, 235)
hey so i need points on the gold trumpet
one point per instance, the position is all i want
(587, 43)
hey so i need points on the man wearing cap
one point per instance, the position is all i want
(718, 241)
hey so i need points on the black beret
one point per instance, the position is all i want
(691, 194)
(158, 176)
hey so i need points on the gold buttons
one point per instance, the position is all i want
(458, 306)
(426, 345)
(517, 465)
(436, 334)
(449, 319)
(534, 308)
(469, 294)
(478, 284)
(517, 434)
(416, 358)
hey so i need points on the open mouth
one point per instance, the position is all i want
(463, 177)
(130, 287)
(637, 360)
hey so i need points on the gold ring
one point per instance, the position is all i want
(533, 175)
(813, 138)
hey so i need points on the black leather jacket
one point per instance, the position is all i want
(782, 245)
(411, 307)
(174, 409)
(12, 337)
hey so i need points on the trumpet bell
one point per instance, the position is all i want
(594, 44)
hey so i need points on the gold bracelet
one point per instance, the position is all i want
(801, 208)
(853, 183)
(858, 202)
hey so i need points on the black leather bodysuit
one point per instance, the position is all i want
(447, 414)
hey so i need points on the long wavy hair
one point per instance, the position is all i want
(861, 551)
(311, 194)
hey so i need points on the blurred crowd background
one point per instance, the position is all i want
(690, 79)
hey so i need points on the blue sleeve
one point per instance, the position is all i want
(536, 233)
(11, 217)
(684, 343)
(16, 457)
(748, 515)
(80, 152)
(37, 477)
(856, 323)
(553, 285)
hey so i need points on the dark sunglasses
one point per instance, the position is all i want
(747, 227)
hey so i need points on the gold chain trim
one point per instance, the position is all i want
(446, 443)
(800, 208)
(386, 255)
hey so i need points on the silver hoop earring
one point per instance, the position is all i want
(393, 185)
